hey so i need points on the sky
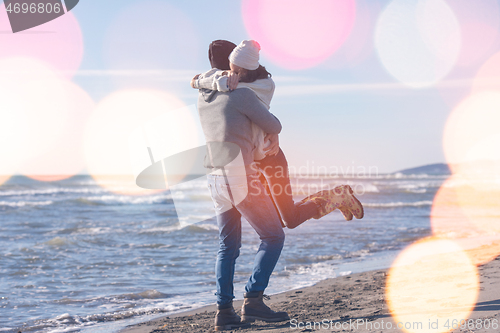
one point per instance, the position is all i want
(360, 84)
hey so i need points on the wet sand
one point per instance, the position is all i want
(353, 303)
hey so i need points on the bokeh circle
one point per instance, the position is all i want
(418, 41)
(431, 280)
(58, 43)
(299, 34)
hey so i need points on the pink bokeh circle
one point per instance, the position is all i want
(299, 34)
(479, 23)
(58, 43)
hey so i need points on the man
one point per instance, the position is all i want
(236, 191)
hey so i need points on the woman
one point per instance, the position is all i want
(243, 70)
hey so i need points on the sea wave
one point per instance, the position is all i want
(193, 227)
(421, 190)
(70, 323)
(59, 242)
(398, 204)
(414, 188)
(123, 199)
(378, 176)
(359, 188)
(320, 270)
(364, 188)
(151, 303)
(25, 203)
(416, 184)
(56, 190)
(148, 294)
(203, 227)
(399, 175)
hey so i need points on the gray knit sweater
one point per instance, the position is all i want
(228, 117)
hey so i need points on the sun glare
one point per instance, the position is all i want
(432, 282)
(36, 107)
(469, 218)
(65, 156)
(471, 131)
(107, 134)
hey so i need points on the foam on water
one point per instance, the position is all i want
(25, 203)
(179, 226)
(151, 304)
(368, 188)
(398, 204)
(58, 241)
(54, 190)
(123, 199)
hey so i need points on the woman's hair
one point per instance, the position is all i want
(249, 76)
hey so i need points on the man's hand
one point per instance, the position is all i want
(193, 80)
(232, 80)
(274, 146)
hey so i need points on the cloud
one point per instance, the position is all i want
(164, 75)
(286, 85)
(321, 89)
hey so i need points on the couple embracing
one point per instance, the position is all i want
(248, 176)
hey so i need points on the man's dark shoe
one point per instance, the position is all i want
(227, 319)
(254, 309)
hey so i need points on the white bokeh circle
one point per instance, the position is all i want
(418, 41)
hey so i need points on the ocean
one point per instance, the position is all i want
(75, 257)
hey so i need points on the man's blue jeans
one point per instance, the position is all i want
(258, 209)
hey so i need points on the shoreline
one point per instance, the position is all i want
(358, 296)
(201, 319)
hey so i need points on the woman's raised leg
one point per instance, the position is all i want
(275, 169)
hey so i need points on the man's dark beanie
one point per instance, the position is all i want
(218, 53)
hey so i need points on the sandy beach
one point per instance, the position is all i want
(352, 303)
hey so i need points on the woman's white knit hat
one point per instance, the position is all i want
(246, 55)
